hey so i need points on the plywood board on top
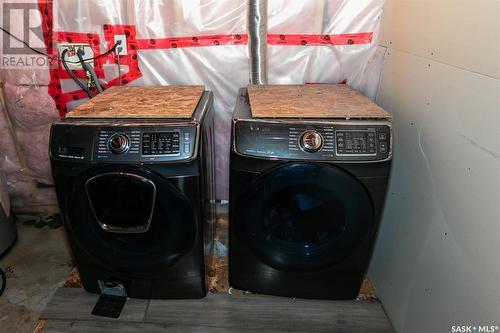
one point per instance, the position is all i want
(141, 102)
(311, 101)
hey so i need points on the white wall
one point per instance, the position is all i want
(437, 257)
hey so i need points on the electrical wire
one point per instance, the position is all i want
(63, 60)
(57, 58)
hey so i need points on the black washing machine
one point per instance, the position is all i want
(306, 197)
(136, 199)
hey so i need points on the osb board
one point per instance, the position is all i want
(311, 101)
(141, 102)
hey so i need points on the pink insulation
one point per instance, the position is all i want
(32, 77)
(31, 111)
(30, 106)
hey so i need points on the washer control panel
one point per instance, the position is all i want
(145, 144)
(307, 140)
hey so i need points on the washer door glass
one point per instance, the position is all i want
(122, 202)
(130, 218)
(304, 216)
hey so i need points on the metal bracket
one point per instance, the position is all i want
(112, 288)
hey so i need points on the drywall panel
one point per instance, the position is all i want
(437, 257)
(406, 25)
(464, 34)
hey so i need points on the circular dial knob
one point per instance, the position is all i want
(118, 143)
(311, 141)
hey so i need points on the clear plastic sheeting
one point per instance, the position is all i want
(197, 42)
(315, 24)
(368, 80)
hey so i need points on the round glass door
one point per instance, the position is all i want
(304, 216)
(130, 218)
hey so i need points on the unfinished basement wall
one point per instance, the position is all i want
(437, 258)
(175, 42)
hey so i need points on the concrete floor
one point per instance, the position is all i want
(36, 266)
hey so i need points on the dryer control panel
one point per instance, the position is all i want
(354, 141)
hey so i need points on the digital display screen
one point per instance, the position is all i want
(355, 142)
(160, 143)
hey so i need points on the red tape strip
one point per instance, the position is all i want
(318, 40)
(195, 41)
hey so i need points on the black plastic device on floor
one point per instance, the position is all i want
(306, 197)
(109, 306)
(135, 196)
(112, 300)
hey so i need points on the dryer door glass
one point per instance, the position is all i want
(131, 218)
(304, 216)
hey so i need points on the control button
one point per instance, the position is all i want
(186, 147)
(118, 143)
(311, 141)
(186, 136)
(382, 136)
(383, 147)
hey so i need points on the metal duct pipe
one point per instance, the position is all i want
(257, 40)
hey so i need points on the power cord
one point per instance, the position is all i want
(53, 58)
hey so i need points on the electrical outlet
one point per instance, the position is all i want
(72, 58)
(123, 45)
